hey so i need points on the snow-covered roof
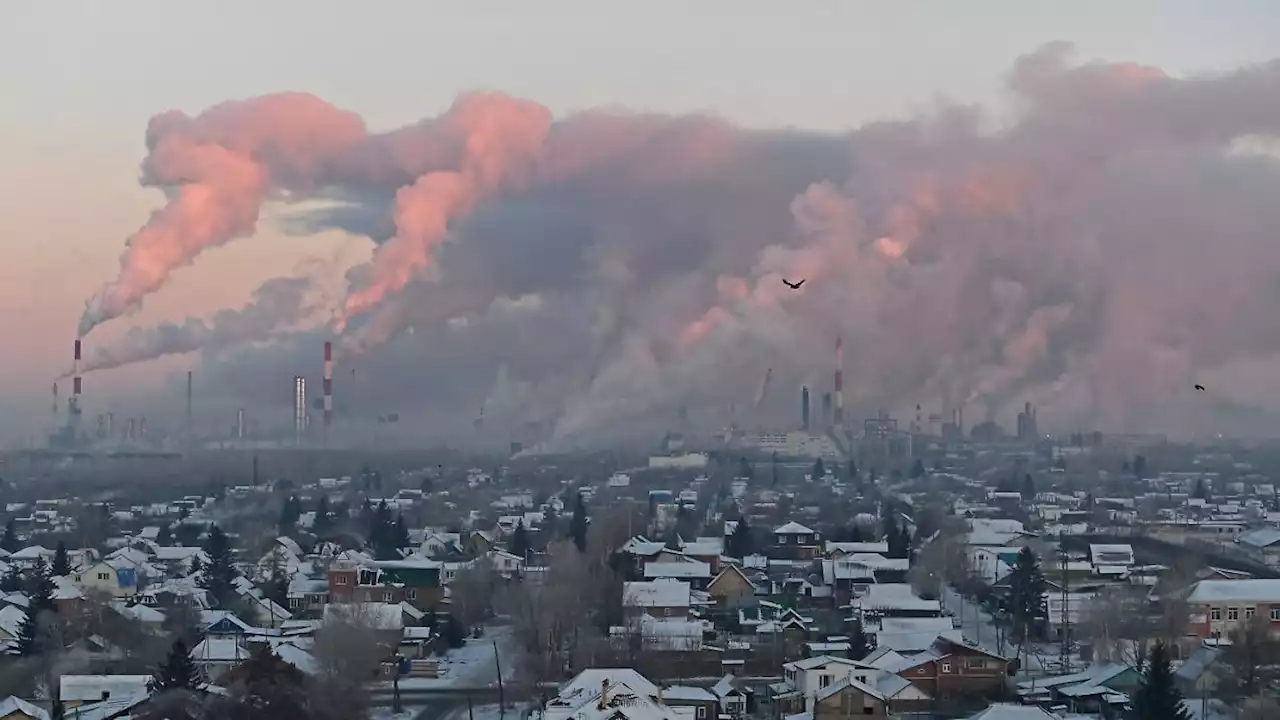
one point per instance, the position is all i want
(658, 593)
(11, 706)
(1255, 590)
(86, 688)
(793, 528)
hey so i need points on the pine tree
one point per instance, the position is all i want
(1026, 592)
(520, 541)
(61, 564)
(855, 533)
(853, 471)
(196, 565)
(10, 542)
(164, 538)
(39, 587)
(738, 544)
(819, 470)
(578, 525)
(289, 513)
(219, 576)
(12, 580)
(324, 519)
(400, 533)
(1028, 488)
(1158, 698)
(859, 644)
(177, 672)
(917, 469)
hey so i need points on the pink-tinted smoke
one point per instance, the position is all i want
(217, 169)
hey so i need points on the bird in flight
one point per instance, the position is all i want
(1200, 388)
(792, 285)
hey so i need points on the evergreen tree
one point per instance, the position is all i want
(454, 634)
(896, 535)
(739, 544)
(520, 541)
(10, 542)
(1158, 698)
(324, 519)
(1026, 592)
(12, 580)
(1140, 467)
(853, 471)
(1028, 488)
(289, 513)
(219, 576)
(400, 533)
(196, 565)
(578, 525)
(39, 586)
(745, 470)
(61, 563)
(917, 469)
(859, 644)
(268, 688)
(819, 470)
(177, 672)
(164, 538)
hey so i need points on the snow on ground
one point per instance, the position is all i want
(472, 665)
(484, 712)
(386, 714)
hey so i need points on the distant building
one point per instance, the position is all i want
(1027, 431)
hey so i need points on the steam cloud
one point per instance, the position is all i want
(1093, 255)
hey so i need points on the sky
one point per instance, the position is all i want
(82, 78)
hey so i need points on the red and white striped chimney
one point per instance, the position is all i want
(839, 409)
(328, 384)
(76, 387)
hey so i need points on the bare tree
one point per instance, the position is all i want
(943, 560)
(1250, 665)
(1122, 623)
(349, 646)
(472, 593)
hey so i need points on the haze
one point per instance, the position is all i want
(663, 311)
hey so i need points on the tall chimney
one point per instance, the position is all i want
(102, 426)
(111, 421)
(826, 411)
(55, 405)
(73, 405)
(960, 420)
(188, 429)
(240, 424)
(804, 408)
(129, 434)
(839, 416)
(142, 428)
(328, 388)
(299, 407)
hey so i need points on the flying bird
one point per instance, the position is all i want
(793, 286)
(1200, 388)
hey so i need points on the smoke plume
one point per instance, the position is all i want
(1093, 254)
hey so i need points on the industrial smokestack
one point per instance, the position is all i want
(55, 405)
(839, 416)
(826, 410)
(102, 427)
(129, 433)
(328, 387)
(73, 404)
(188, 402)
(299, 407)
(142, 429)
(240, 424)
(960, 420)
(111, 421)
(804, 408)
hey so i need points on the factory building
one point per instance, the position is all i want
(1027, 431)
(882, 443)
(798, 444)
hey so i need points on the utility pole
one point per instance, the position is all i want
(502, 700)
(1064, 652)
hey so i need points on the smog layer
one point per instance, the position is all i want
(1108, 243)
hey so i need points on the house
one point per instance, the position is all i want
(504, 563)
(416, 582)
(806, 679)
(795, 542)
(612, 694)
(1111, 560)
(479, 543)
(1009, 711)
(657, 599)
(214, 656)
(697, 574)
(733, 701)
(1263, 545)
(730, 586)
(705, 705)
(110, 577)
(954, 669)
(1101, 689)
(15, 708)
(77, 690)
(11, 619)
(850, 698)
(1219, 606)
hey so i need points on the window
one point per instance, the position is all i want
(1275, 613)
(1233, 613)
(946, 667)
(388, 597)
(824, 681)
(340, 579)
(1215, 613)
(293, 602)
(702, 712)
(412, 594)
(1248, 613)
(104, 576)
(976, 663)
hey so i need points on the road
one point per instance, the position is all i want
(979, 628)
